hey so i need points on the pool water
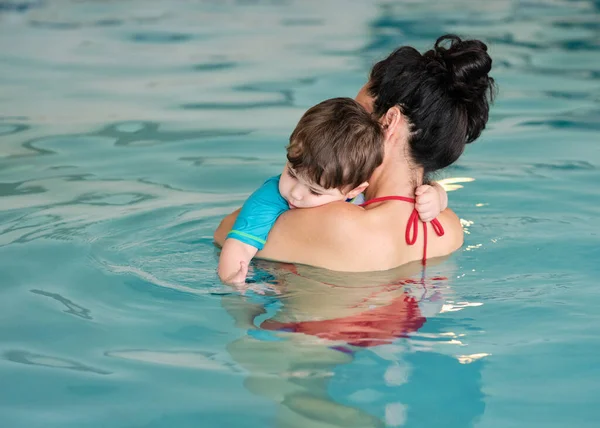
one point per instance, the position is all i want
(128, 129)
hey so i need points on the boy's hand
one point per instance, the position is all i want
(233, 262)
(238, 278)
(430, 201)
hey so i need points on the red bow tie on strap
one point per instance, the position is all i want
(412, 227)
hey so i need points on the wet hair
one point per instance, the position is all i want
(444, 94)
(336, 144)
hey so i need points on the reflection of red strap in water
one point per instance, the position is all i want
(412, 228)
(372, 327)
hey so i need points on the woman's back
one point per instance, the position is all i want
(348, 238)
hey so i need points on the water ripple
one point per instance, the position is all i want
(160, 37)
(566, 166)
(19, 6)
(72, 307)
(215, 66)
(7, 129)
(29, 358)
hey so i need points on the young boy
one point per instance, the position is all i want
(333, 151)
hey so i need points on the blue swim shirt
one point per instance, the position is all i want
(259, 213)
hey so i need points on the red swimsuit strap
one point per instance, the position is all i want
(412, 229)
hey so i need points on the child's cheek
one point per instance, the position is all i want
(282, 186)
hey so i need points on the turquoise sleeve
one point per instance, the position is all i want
(258, 214)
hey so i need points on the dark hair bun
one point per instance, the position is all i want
(466, 65)
(445, 95)
(463, 67)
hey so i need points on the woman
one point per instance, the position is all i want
(429, 106)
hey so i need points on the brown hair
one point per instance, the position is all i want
(336, 144)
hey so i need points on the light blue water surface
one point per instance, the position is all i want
(129, 129)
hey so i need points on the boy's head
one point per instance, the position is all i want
(333, 151)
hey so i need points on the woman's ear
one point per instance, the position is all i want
(357, 190)
(392, 121)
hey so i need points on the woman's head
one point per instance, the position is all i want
(443, 95)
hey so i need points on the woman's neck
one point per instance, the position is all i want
(396, 176)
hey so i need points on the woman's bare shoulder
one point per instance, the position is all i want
(344, 237)
(321, 236)
(453, 233)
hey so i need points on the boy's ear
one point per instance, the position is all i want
(357, 190)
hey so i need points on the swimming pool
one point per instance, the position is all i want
(128, 129)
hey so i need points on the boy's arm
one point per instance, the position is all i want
(233, 263)
(248, 233)
(431, 200)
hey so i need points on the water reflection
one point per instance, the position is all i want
(202, 360)
(413, 388)
(72, 307)
(335, 350)
(150, 179)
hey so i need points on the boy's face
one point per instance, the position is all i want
(300, 193)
